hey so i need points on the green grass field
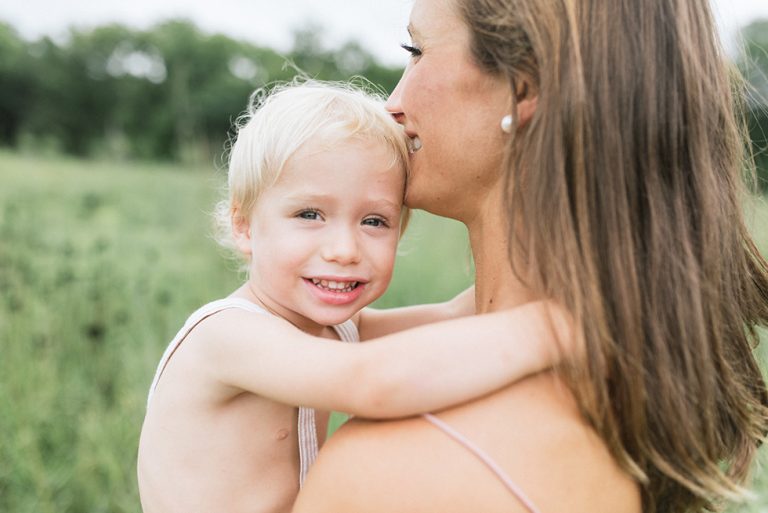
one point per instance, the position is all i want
(100, 264)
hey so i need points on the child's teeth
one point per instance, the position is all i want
(339, 286)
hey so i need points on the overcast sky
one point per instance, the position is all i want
(378, 24)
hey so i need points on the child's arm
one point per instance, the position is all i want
(421, 369)
(373, 323)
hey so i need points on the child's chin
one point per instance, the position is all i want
(332, 319)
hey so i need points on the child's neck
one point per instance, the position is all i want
(302, 323)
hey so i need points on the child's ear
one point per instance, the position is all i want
(241, 231)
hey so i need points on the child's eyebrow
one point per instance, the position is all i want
(386, 204)
(309, 199)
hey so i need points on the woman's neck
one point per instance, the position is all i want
(496, 285)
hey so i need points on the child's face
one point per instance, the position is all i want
(323, 238)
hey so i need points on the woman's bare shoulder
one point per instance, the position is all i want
(530, 429)
(373, 466)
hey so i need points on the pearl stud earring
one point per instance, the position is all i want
(506, 124)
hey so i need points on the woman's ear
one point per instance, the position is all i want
(526, 108)
(527, 100)
(241, 231)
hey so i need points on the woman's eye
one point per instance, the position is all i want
(310, 215)
(376, 222)
(413, 50)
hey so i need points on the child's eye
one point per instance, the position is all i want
(412, 49)
(309, 214)
(376, 222)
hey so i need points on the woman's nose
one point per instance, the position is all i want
(394, 105)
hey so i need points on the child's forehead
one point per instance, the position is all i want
(351, 166)
(363, 154)
(340, 141)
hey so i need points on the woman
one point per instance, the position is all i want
(592, 149)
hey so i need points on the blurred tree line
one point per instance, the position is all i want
(170, 92)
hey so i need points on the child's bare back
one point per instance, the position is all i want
(207, 446)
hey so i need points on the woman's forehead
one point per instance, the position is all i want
(434, 18)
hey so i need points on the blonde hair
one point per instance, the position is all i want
(627, 184)
(280, 121)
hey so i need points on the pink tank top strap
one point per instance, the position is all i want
(483, 457)
(307, 430)
(308, 445)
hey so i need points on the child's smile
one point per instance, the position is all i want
(336, 291)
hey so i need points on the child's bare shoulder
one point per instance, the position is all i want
(214, 346)
(232, 324)
(228, 316)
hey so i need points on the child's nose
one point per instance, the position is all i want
(342, 247)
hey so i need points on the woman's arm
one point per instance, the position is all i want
(373, 323)
(421, 369)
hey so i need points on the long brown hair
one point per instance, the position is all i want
(628, 186)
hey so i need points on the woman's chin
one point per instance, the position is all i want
(419, 197)
(432, 203)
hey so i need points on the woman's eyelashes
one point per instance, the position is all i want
(414, 50)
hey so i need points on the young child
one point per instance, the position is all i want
(316, 184)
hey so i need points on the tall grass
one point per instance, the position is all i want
(100, 264)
